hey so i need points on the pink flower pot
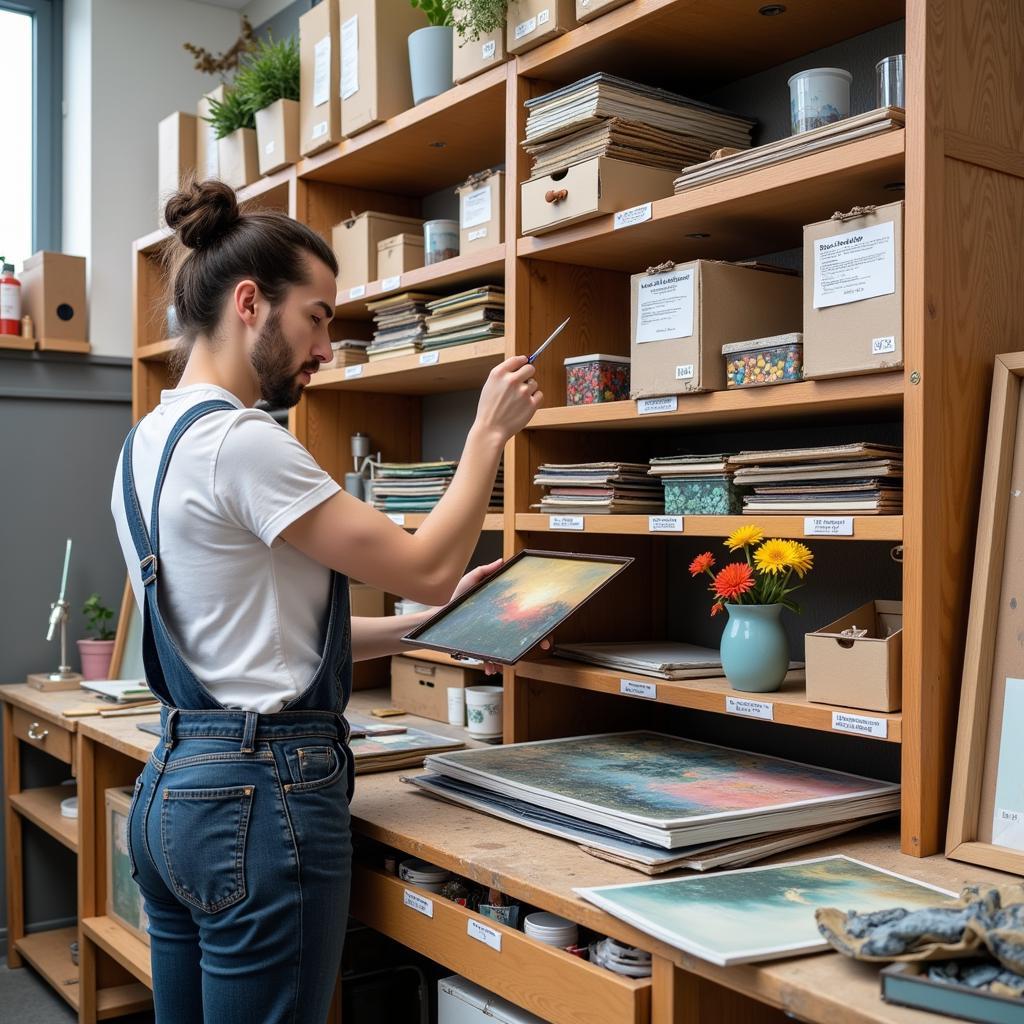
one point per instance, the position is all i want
(95, 656)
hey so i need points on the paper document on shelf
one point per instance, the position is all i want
(350, 57)
(322, 72)
(476, 207)
(857, 265)
(664, 306)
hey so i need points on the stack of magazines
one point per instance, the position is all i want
(473, 315)
(408, 486)
(400, 323)
(591, 488)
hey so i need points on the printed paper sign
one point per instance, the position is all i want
(350, 57)
(398, 518)
(634, 215)
(483, 933)
(1008, 818)
(524, 28)
(322, 72)
(488, 50)
(857, 265)
(750, 708)
(413, 900)
(664, 306)
(665, 524)
(685, 372)
(429, 358)
(646, 406)
(828, 526)
(319, 129)
(565, 522)
(391, 283)
(635, 688)
(879, 346)
(353, 371)
(475, 208)
(358, 292)
(478, 233)
(861, 725)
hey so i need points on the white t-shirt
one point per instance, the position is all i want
(246, 609)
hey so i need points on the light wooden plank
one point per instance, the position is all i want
(42, 807)
(49, 953)
(130, 952)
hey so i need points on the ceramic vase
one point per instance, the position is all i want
(755, 653)
(430, 61)
(96, 655)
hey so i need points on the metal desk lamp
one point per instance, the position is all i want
(63, 678)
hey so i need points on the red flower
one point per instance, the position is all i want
(702, 563)
(733, 580)
(716, 608)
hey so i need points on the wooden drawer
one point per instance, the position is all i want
(44, 734)
(549, 982)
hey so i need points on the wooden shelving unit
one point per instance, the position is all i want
(41, 806)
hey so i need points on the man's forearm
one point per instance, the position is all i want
(378, 637)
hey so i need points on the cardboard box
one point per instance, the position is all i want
(320, 58)
(587, 10)
(277, 135)
(375, 79)
(124, 898)
(421, 686)
(238, 154)
(532, 22)
(853, 294)
(355, 244)
(858, 673)
(481, 212)
(681, 318)
(471, 56)
(176, 154)
(589, 189)
(398, 254)
(53, 294)
(207, 162)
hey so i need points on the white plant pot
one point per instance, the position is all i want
(430, 61)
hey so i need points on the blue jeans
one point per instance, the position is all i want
(242, 849)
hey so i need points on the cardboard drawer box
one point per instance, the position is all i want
(471, 56)
(176, 153)
(861, 673)
(207, 163)
(319, 57)
(398, 254)
(853, 294)
(589, 189)
(421, 686)
(681, 318)
(481, 212)
(124, 898)
(529, 23)
(53, 294)
(355, 244)
(589, 9)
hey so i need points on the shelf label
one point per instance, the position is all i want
(544, 16)
(319, 130)
(414, 901)
(484, 933)
(429, 358)
(565, 522)
(860, 725)
(398, 518)
(269, 148)
(487, 51)
(665, 524)
(634, 215)
(635, 688)
(750, 708)
(524, 28)
(476, 234)
(828, 526)
(646, 406)
(358, 292)
(391, 283)
(356, 370)
(879, 346)
(685, 372)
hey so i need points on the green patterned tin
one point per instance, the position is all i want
(703, 496)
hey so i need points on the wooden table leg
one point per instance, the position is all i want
(679, 997)
(86, 980)
(15, 880)
(673, 996)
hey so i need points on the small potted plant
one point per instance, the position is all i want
(430, 50)
(268, 83)
(97, 651)
(475, 18)
(235, 127)
(754, 591)
(479, 36)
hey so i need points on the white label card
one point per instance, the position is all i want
(879, 346)
(634, 215)
(685, 372)
(828, 526)
(484, 933)
(665, 524)
(398, 518)
(664, 306)
(524, 28)
(319, 130)
(429, 358)
(488, 50)
(475, 208)
(353, 371)
(350, 57)
(544, 17)
(322, 72)
(750, 708)
(565, 522)
(646, 406)
(391, 283)
(856, 265)
(860, 725)
(478, 233)
(414, 901)
(212, 157)
(270, 147)
(358, 292)
(636, 688)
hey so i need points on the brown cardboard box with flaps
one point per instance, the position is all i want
(683, 314)
(319, 56)
(472, 56)
(532, 22)
(355, 244)
(399, 254)
(420, 687)
(858, 670)
(481, 211)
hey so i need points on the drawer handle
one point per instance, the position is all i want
(34, 735)
(556, 195)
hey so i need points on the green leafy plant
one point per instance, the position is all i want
(98, 616)
(230, 114)
(475, 18)
(438, 12)
(268, 74)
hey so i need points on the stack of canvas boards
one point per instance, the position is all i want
(387, 748)
(474, 315)
(400, 323)
(662, 659)
(860, 479)
(409, 486)
(598, 488)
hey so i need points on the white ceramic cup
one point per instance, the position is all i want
(456, 705)
(818, 97)
(483, 709)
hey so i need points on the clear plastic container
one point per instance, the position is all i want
(596, 378)
(440, 241)
(775, 360)
(889, 82)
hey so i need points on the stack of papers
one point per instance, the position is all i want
(347, 353)
(676, 467)
(385, 750)
(473, 315)
(860, 479)
(400, 324)
(119, 691)
(662, 659)
(408, 486)
(598, 488)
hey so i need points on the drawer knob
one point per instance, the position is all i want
(556, 195)
(34, 732)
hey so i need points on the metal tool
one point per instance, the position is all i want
(551, 337)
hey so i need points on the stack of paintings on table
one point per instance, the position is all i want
(385, 748)
(591, 488)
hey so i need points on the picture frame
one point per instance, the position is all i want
(992, 657)
(126, 661)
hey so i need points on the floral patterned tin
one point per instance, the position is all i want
(596, 378)
(775, 360)
(702, 496)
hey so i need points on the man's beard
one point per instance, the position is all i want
(272, 360)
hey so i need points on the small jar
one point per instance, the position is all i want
(440, 241)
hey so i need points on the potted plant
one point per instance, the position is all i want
(472, 19)
(479, 36)
(97, 651)
(268, 83)
(430, 50)
(754, 591)
(234, 125)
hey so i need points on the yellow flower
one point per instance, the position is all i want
(773, 556)
(744, 537)
(801, 558)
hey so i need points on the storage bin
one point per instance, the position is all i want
(124, 898)
(440, 241)
(703, 496)
(596, 378)
(421, 687)
(775, 360)
(399, 254)
(355, 243)
(470, 57)
(481, 211)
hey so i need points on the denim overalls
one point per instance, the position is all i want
(238, 832)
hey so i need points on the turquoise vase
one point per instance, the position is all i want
(755, 654)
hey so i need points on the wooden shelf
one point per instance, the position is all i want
(16, 343)
(789, 705)
(436, 144)
(484, 267)
(457, 369)
(81, 348)
(493, 521)
(130, 952)
(660, 41)
(759, 212)
(152, 243)
(887, 528)
(270, 193)
(157, 351)
(42, 807)
(869, 395)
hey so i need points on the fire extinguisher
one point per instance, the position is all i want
(10, 301)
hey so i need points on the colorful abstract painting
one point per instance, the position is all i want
(518, 607)
(734, 917)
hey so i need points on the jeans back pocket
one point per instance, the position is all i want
(313, 768)
(203, 837)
